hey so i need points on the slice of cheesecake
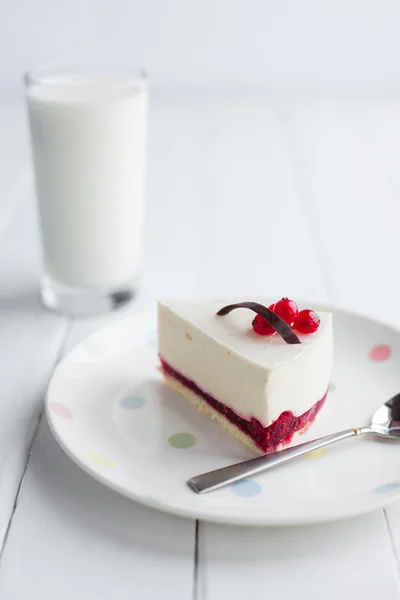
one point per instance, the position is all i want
(260, 388)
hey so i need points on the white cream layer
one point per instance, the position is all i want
(257, 376)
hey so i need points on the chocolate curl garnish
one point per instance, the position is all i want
(284, 330)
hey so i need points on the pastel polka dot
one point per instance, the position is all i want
(332, 387)
(388, 487)
(246, 488)
(102, 460)
(61, 410)
(132, 402)
(320, 453)
(380, 352)
(182, 440)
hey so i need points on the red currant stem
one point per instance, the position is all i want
(284, 330)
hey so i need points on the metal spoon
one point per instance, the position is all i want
(385, 423)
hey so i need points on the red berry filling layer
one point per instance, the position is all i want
(268, 439)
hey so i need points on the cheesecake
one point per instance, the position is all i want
(260, 370)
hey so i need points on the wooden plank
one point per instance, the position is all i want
(181, 140)
(121, 543)
(223, 213)
(304, 184)
(257, 236)
(246, 189)
(127, 550)
(392, 514)
(351, 206)
(30, 339)
(382, 121)
(348, 559)
(15, 172)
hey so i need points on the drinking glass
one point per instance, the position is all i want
(88, 135)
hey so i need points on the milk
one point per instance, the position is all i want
(88, 142)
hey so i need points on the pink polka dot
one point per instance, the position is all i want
(380, 353)
(61, 410)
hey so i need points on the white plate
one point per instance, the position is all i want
(110, 411)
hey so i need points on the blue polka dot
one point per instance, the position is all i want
(246, 488)
(386, 488)
(132, 402)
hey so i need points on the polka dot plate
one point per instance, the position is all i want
(110, 411)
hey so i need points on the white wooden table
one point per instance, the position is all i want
(245, 197)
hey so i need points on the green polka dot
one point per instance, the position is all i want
(182, 440)
(102, 460)
(332, 387)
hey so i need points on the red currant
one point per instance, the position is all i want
(307, 321)
(261, 326)
(287, 310)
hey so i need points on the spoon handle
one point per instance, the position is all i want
(221, 477)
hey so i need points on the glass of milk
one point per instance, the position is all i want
(88, 134)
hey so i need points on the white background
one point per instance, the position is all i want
(279, 45)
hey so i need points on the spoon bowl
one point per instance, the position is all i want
(386, 420)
